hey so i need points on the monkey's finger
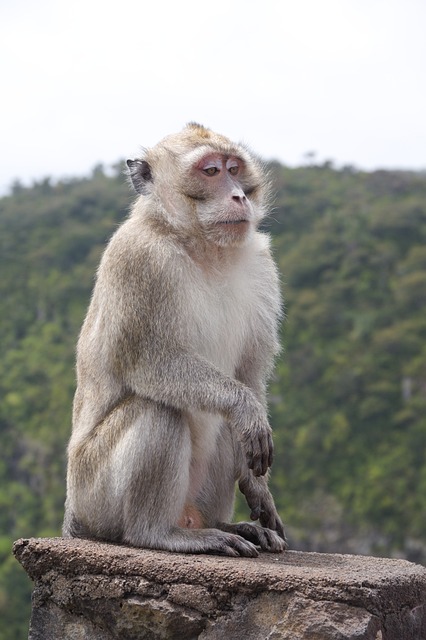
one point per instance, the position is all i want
(273, 521)
(268, 517)
(267, 520)
(253, 453)
(258, 461)
(267, 452)
(255, 513)
(259, 453)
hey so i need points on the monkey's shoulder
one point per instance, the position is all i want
(133, 253)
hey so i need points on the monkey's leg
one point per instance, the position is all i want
(216, 499)
(155, 456)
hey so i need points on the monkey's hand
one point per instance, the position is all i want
(261, 503)
(255, 435)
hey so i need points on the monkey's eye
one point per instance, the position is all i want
(233, 165)
(211, 171)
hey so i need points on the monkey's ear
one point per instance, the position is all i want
(141, 176)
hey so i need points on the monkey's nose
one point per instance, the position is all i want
(239, 196)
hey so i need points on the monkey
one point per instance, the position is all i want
(173, 359)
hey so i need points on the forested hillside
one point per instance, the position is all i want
(348, 402)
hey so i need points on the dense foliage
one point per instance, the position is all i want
(348, 402)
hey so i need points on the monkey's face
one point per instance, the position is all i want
(205, 185)
(220, 186)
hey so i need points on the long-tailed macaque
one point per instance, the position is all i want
(173, 359)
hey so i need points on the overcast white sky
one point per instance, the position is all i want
(91, 81)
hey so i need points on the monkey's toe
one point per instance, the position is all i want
(264, 538)
(236, 545)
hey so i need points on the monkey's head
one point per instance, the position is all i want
(200, 183)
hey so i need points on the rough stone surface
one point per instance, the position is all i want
(92, 591)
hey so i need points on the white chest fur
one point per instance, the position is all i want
(222, 305)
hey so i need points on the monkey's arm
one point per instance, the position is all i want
(183, 380)
(253, 371)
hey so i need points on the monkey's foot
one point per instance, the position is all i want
(218, 541)
(266, 539)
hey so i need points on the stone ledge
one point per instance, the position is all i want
(88, 590)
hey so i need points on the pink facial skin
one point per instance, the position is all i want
(221, 174)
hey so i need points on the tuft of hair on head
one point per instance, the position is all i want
(200, 129)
